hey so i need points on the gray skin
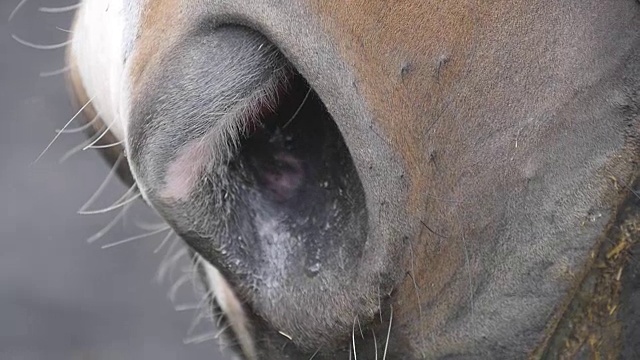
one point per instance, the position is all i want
(528, 172)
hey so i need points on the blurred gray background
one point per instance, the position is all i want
(60, 297)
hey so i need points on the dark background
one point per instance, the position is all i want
(60, 297)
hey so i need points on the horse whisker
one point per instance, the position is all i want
(81, 128)
(15, 10)
(170, 262)
(375, 343)
(164, 241)
(54, 10)
(304, 100)
(106, 146)
(162, 269)
(40, 46)
(386, 344)
(353, 339)
(55, 72)
(118, 204)
(183, 307)
(64, 127)
(200, 315)
(205, 337)
(176, 286)
(150, 226)
(99, 137)
(73, 151)
(360, 327)
(133, 238)
(314, 354)
(64, 30)
(109, 226)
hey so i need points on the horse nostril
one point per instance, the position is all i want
(238, 153)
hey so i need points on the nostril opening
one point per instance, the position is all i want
(304, 217)
(277, 149)
(292, 152)
(297, 171)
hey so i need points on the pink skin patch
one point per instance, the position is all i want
(184, 172)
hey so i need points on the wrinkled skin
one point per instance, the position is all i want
(441, 192)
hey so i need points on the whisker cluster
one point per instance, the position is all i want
(176, 253)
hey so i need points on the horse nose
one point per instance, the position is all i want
(238, 153)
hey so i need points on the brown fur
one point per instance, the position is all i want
(424, 104)
(160, 24)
